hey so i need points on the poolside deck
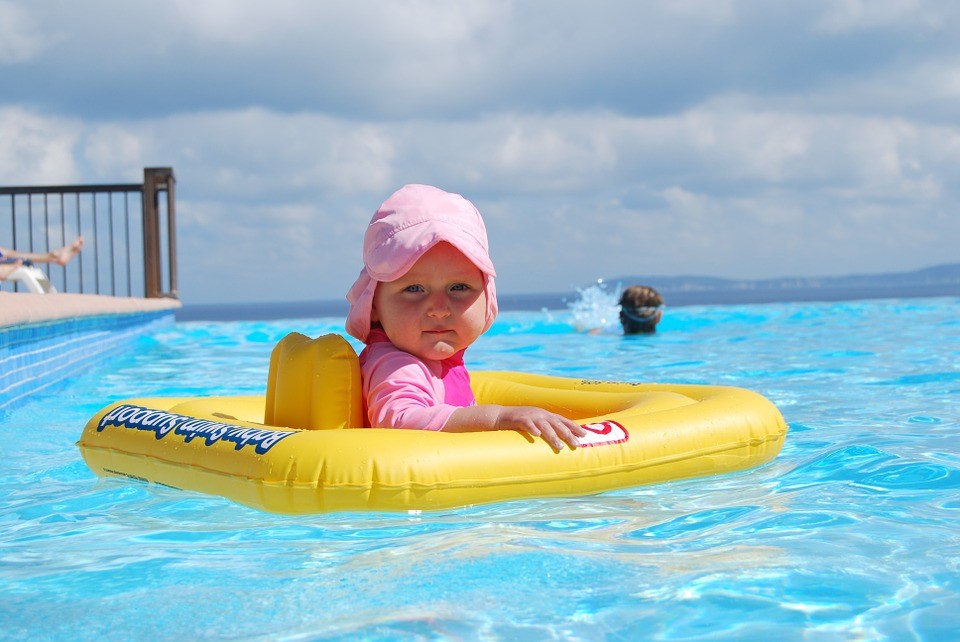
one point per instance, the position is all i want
(18, 308)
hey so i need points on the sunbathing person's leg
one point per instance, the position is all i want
(67, 252)
(6, 269)
(61, 256)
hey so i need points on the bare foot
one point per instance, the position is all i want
(64, 254)
(6, 269)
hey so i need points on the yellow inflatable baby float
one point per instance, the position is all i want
(295, 450)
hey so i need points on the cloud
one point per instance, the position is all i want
(402, 60)
(843, 16)
(35, 149)
(20, 36)
(729, 138)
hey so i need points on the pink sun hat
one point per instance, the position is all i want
(410, 222)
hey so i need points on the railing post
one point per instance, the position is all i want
(155, 180)
(172, 234)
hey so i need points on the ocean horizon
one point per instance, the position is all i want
(265, 311)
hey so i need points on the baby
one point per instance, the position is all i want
(425, 294)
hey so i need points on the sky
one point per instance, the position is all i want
(731, 138)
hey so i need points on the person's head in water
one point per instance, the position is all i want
(641, 308)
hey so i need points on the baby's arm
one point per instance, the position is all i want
(400, 393)
(555, 429)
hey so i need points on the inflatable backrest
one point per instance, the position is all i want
(313, 383)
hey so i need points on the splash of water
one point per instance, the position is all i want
(597, 309)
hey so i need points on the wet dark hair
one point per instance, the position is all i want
(635, 314)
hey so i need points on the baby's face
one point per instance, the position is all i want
(437, 308)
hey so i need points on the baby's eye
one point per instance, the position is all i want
(413, 288)
(459, 287)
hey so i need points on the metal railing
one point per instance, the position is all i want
(127, 247)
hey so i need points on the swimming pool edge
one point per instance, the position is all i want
(45, 339)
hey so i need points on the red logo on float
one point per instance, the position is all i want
(603, 433)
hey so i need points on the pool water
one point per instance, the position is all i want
(852, 533)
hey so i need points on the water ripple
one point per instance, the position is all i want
(913, 476)
(849, 534)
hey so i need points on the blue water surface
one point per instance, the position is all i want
(852, 533)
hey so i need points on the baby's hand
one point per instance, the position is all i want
(553, 428)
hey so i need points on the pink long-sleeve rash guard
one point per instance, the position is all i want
(403, 391)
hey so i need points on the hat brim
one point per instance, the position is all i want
(394, 256)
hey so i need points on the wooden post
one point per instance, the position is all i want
(155, 180)
(172, 234)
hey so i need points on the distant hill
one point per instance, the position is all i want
(941, 280)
